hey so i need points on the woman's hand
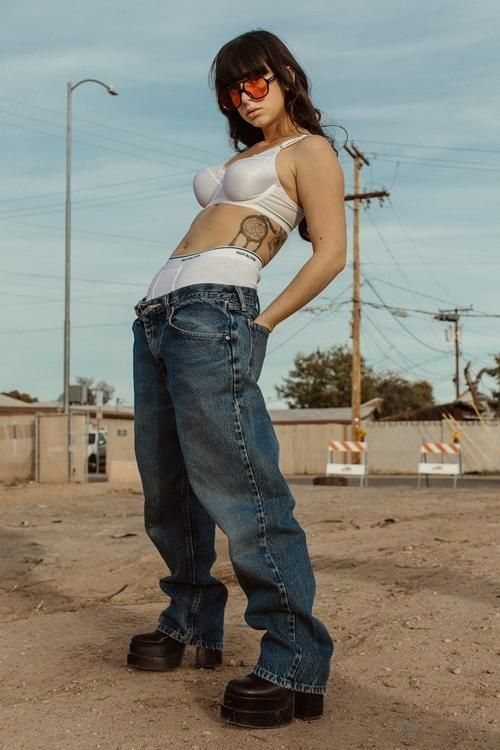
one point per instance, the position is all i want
(263, 323)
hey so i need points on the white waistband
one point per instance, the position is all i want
(221, 250)
(223, 265)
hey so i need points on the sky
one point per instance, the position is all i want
(414, 85)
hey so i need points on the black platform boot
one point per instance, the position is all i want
(252, 701)
(160, 652)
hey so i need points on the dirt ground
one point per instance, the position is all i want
(407, 584)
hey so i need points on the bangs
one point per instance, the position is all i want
(240, 59)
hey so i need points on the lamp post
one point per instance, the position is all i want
(67, 327)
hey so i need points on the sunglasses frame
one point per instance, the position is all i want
(241, 86)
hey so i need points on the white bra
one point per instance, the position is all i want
(250, 181)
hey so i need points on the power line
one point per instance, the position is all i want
(162, 139)
(98, 135)
(396, 310)
(60, 328)
(391, 254)
(106, 282)
(109, 236)
(434, 160)
(398, 321)
(471, 263)
(99, 202)
(411, 365)
(447, 164)
(413, 291)
(492, 150)
(404, 370)
(434, 147)
(42, 299)
(299, 330)
(37, 196)
(86, 143)
(428, 267)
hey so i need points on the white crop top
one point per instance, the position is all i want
(251, 181)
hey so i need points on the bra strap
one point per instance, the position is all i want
(295, 138)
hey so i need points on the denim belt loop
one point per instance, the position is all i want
(137, 308)
(241, 298)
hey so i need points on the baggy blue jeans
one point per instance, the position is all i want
(208, 455)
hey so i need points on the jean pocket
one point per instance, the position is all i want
(259, 336)
(200, 319)
(136, 324)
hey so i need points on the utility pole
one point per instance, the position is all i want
(357, 197)
(453, 316)
(67, 274)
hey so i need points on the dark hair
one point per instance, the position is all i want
(247, 55)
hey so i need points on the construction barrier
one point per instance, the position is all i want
(358, 447)
(452, 467)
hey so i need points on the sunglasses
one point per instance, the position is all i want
(257, 87)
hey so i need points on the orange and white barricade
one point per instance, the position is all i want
(342, 468)
(452, 466)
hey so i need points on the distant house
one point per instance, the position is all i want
(370, 411)
(457, 409)
(14, 406)
(336, 415)
(9, 405)
(462, 409)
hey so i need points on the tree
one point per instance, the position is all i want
(20, 396)
(400, 395)
(323, 379)
(107, 389)
(494, 372)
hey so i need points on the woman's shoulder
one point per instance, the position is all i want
(316, 138)
(315, 146)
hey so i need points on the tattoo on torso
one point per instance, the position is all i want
(255, 228)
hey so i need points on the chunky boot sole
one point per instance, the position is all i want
(207, 658)
(268, 713)
(154, 663)
(257, 712)
(144, 657)
(141, 659)
(308, 705)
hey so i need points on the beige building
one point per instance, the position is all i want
(34, 441)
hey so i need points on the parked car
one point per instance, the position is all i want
(92, 450)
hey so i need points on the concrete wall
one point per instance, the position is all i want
(34, 446)
(52, 451)
(17, 447)
(303, 447)
(393, 447)
(120, 439)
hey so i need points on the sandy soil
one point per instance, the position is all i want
(407, 583)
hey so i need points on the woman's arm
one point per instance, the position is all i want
(320, 186)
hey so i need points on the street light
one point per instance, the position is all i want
(70, 90)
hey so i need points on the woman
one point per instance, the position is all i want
(205, 445)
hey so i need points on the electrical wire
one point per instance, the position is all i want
(400, 270)
(398, 321)
(411, 365)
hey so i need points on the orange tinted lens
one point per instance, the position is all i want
(256, 87)
(235, 97)
(226, 99)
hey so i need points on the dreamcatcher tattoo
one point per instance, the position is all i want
(254, 228)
